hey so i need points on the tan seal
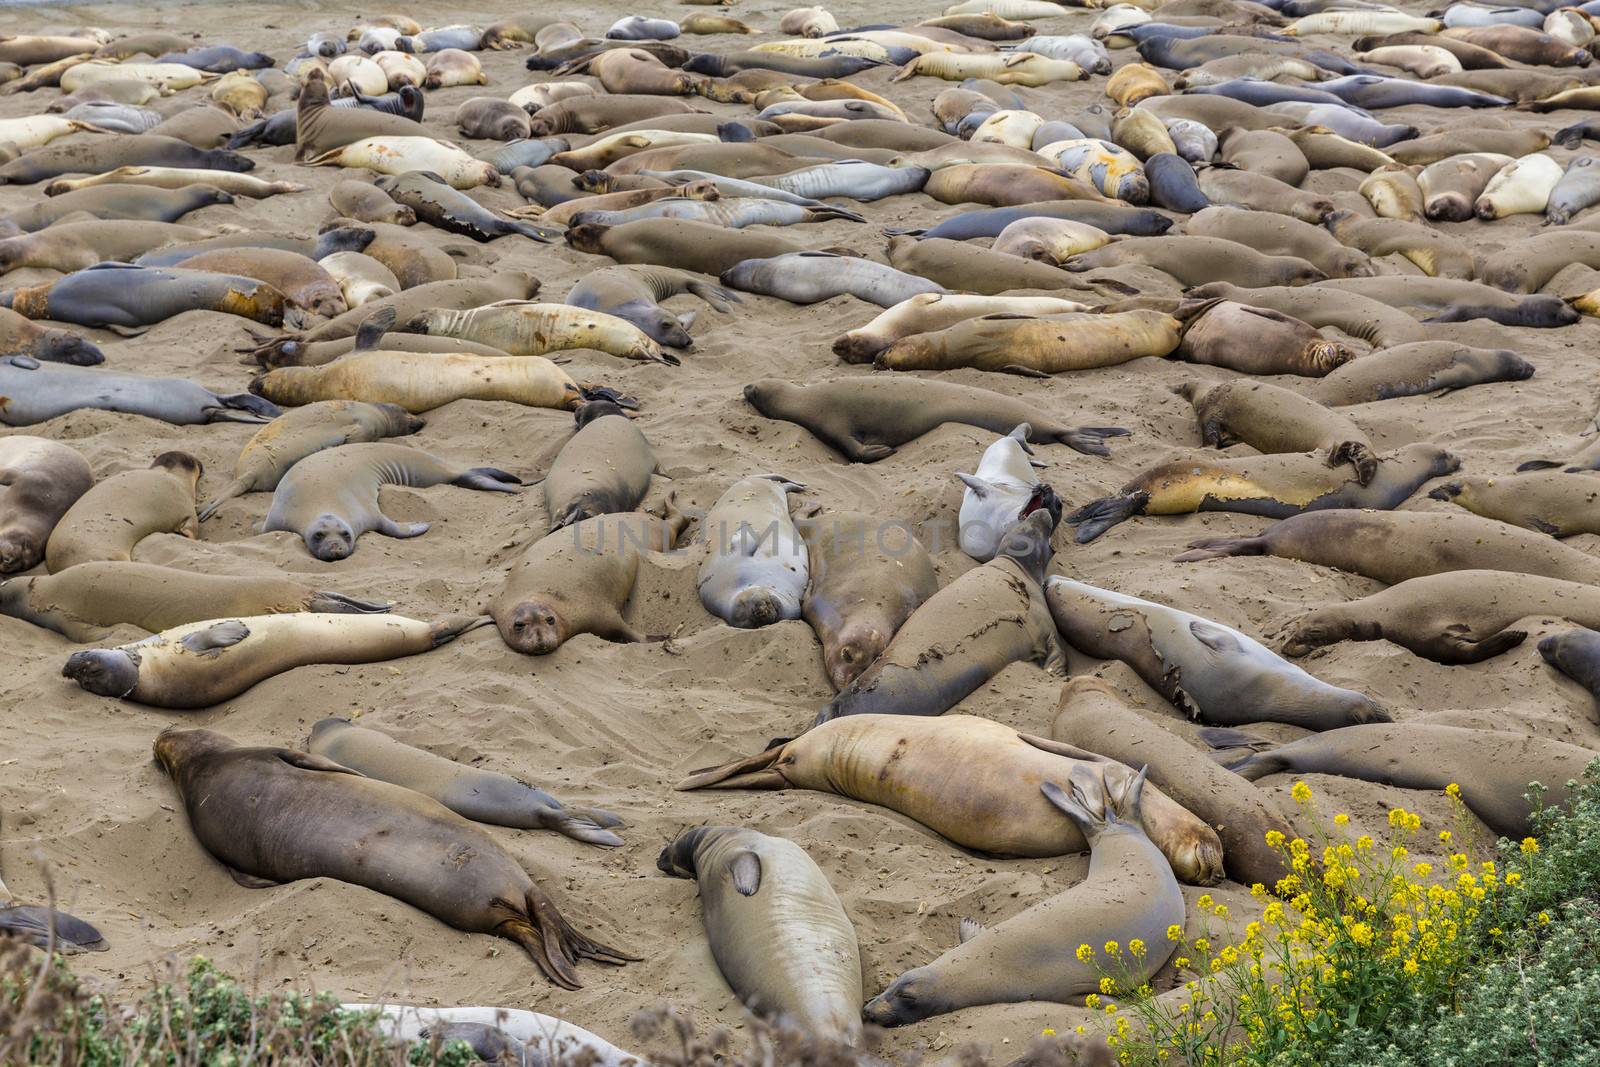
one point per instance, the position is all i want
(109, 520)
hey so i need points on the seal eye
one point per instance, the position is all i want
(549, 619)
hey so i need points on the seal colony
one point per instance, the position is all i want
(794, 394)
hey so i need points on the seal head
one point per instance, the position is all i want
(19, 550)
(534, 628)
(755, 608)
(329, 538)
(585, 237)
(106, 672)
(678, 858)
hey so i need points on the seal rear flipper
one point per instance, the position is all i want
(489, 479)
(1359, 455)
(446, 630)
(748, 772)
(542, 234)
(1539, 465)
(552, 943)
(1218, 547)
(338, 604)
(243, 407)
(1253, 766)
(589, 825)
(1094, 519)
(235, 488)
(714, 295)
(31, 924)
(1225, 737)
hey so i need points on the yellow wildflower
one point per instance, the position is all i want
(1452, 790)
(1544, 917)
(1530, 845)
(1204, 903)
(1047, 1032)
(1363, 842)
(1399, 852)
(1411, 966)
(1107, 986)
(1341, 819)
(1275, 838)
(1085, 953)
(1092, 1001)
(1112, 948)
(1136, 947)
(1513, 878)
(1301, 792)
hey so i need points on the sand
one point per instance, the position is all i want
(615, 726)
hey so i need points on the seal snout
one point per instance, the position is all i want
(534, 630)
(755, 608)
(18, 552)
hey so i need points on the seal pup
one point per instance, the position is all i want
(522, 328)
(366, 832)
(291, 437)
(435, 202)
(422, 381)
(129, 299)
(866, 419)
(964, 635)
(38, 393)
(1455, 617)
(85, 601)
(1493, 769)
(20, 335)
(929, 312)
(969, 779)
(546, 1035)
(603, 468)
(1213, 673)
(471, 792)
(1094, 718)
(106, 522)
(1001, 493)
(579, 579)
(1272, 419)
(634, 293)
(1551, 502)
(868, 575)
(1252, 340)
(1576, 654)
(331, 497)
(777, 930)
(1393, 546)
(756, 571)
(1037, 346)
(40, 481)
(46, 928)
(1129, 895)
(1417, 369)
(1276, 486)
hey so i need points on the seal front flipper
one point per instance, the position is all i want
(744, 869)
(1219, 547)
(1225, 737)
(969, 929)
(308, 762)
(1219, 641)
(375, 326)
(1095, 518)
(1455, 646)
(216, 637)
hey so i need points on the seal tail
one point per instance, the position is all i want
(1096, 518)
(749, 772)
(339, 604)
(589, 825)
(552, 942)
(1218, 547)
(446, 630)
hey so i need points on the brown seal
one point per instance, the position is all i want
(1392, 546)
(471, 792)
(365, 202)
(307, 284)
(1434, 253)
(964, 267)
(110, 519)
(1006, 185)
(85, 602)
(1264, 152)
(40, 480)
(1051, 345)
(969, 779)
(578, 580)
(868, 575)
(1260, 192)
(866, 419)
(1272, 419)
(1359, 316)
(1226, 333)
(1097, 718)
(682, 243)
(1417, 369)
(320, 127)
(1552, 502)
(595, 114)
(602, 469)
(1276, 486)
(1280, 235)
(1199, 260)
(366, 832)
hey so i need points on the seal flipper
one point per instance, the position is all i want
(308, 762)
(979, 487)
(1359, 455)
(589, 825)
(1456, 647)
(242, 407)
(250, 881)
(552, 943)
(374, 326)
(216, 637)
(1061, 748)
(748, 772)
(338, 604)
(1217, 639)
(1225, 737)
(1088, 439)
(1094, 519)
(402, 530)
(488, 479)
(446, 630)
(745, 870)
(1218, 547)
(31, 924)
(969, 929)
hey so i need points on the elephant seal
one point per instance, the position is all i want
(40, 481)
(110, 519)
(1552, 502)
(321, 128)
(288, 439)
(1260, 192)
(365, 202)
(522, 328)
(989, 222)
(1521, 188)
(1052, 241)
(1453, 300)
(330, 498)
(1007, 185)
(971, 780)
(421, 381)
(132, 202)
(1276, 486)
(964, 634)
(1526, 266)
(1493, 769)
(682, 243)
(366, 832)
(1052, 345)
(1369, 320)
(929, 312)
(1264, 152)
(777, 930)
(756, 570)
(305, 283)
(1522, 44)
(1434, 253)
(527, 1037)
(1578, 188)
(1002, 492)
(1173, 185)
(471, 792)
(1095, 718)
(1128, 896)
(1251, 340)
(1214, 674)
(20, 336)
(37, 393)
(1453, 185)
(73, 246)
(1455, 617)
(1199, 260)
(811, 277)
(1417, 369)
(1273, 420)
(202, 664)
(955, 265)
(866, 419)
(492, 118)
(1574, 654)
(578, 580)
(45, 928)
(102, 154)
(85, 601)
(1435, 147)
(448, 209)
(129, 298)
(602, 469)
(634, 294)
(1393, 546)
(451, 295)
(867, 578)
